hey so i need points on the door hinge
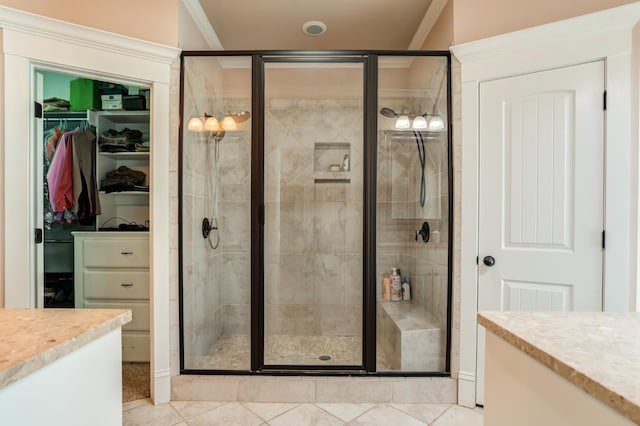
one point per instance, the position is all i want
(603, 238)
(604, 98)
(37, 110)
(38, 236)
(477, 260)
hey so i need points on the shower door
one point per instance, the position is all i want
(313, 212)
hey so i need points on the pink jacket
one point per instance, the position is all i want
(60, 175)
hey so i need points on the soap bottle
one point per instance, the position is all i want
(406, 289)
(396, 286)
(345, 163)
(386, 287)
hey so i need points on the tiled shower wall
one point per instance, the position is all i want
(216, 282)
(400, 216)
(202, 296)
(233, 276)
(313, 235)
(399, 212)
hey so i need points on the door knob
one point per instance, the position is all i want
(489, 260)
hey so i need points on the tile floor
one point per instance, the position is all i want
(231, 352)
(182, 413)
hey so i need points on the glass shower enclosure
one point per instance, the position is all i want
(308, 180)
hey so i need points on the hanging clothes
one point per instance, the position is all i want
(52, 142)
(60, 175)
(85, 189)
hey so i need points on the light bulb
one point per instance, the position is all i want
(436, 123)
(211, 124)
(403, 122)
(195, 124)
(229, 123)
(419, 123)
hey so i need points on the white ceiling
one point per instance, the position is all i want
(352, 24)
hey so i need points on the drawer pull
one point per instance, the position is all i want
(126, 253)
(126, 284)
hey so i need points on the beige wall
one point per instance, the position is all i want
(441, 35)
(152, 20)
(479, 19)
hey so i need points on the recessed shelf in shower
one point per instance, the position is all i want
(331, 162)
(331, 156)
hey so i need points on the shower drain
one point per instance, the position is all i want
(324, 357)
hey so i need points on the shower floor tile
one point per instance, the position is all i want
(232, 352)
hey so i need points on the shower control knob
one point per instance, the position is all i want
(489, 261)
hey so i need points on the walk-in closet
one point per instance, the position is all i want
(93, 180)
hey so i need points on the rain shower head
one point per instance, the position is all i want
(388, 112)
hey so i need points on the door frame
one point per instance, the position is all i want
(33, 41)
(556, 45)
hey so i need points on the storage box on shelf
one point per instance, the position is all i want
(111, 270)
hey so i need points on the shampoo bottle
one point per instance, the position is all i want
(386, 287)
(406, 289)
(396, 286)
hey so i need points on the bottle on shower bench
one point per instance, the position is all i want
(386, 287)
(396, 285)
(406, 289)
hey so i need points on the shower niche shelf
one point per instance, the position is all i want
(331, 162)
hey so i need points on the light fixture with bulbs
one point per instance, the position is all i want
(424, 121)
(217, 128)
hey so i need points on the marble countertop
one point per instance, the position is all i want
(598, 352)
(34, 338)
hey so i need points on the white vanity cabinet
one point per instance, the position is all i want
(111, 270)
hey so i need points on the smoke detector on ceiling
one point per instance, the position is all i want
(314, 28)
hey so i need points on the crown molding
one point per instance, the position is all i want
(428, 21)
(594, 24)
(32, 24)
(202, 22)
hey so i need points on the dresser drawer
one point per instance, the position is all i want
(135, 347)
(115, 253)
(139, 313)
(100, 284)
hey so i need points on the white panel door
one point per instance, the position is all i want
(541, 194)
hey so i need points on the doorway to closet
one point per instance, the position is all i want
(92, 161)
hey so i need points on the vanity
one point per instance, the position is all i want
(61, 366)
(561, 368)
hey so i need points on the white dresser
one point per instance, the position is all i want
(111, 270)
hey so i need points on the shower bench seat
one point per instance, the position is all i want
(411, 338)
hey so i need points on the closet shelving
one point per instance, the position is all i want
(129, 206)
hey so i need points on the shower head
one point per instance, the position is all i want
(241, 116)
(388, 112)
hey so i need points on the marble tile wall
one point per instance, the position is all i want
(400, 214)
(313, 234)
(216, 282)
